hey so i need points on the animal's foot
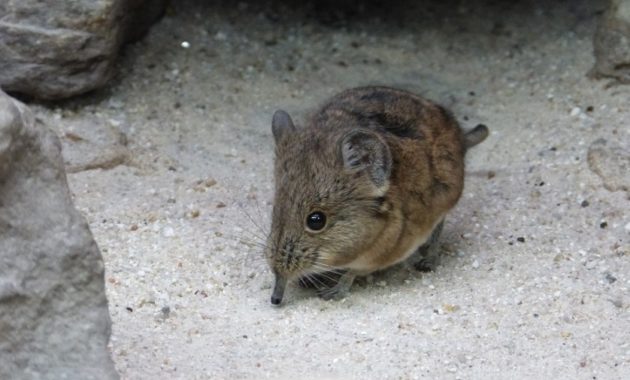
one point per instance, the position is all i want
(427, 264)
(340, 289)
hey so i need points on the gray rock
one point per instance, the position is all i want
(54, 321)
(91, 144)
(612, 43)
(65, 48)
(611, 162)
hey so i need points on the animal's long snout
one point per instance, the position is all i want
(278, 290)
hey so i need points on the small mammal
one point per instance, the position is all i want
(363, 185)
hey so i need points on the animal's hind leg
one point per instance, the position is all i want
(427, 257)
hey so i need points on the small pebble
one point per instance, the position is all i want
(575, 111)
(166, 311)
(448, 308)
(584, 203)
(185, 44)
(461, 357)
(520, 239)
(475, 264)
(603, 225)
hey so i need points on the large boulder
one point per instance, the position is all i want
(58, 49)
(612, 43)
(54, 321)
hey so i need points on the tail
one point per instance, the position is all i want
(476, 135)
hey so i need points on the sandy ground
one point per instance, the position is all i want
(536, 271)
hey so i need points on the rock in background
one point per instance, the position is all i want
(91, 143)
(54, 320)
(65, 48)
(612, 43)
(611, 162)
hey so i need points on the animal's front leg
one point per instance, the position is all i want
(340, 289)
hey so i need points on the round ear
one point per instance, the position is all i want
(281, 125)
(364, 151)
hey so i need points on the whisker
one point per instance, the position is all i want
(328, 268)
(322, 269)
(257, 236)
(329, 275)
(251, 219)
(251, 240)
(314, 280)
(261, 215)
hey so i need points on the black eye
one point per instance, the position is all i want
(316, 221)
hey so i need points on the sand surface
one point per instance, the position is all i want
(535, 277)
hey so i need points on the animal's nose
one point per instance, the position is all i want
(278, 290)
(275, 300)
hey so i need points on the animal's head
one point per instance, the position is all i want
(330, 197)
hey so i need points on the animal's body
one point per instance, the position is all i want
(364, 184)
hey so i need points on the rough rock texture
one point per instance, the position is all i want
(612, 43)
(66, 47)
(54, 321)
(612, 163)
(92, 144)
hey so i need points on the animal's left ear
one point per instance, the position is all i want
(281, 125)
(366, 151)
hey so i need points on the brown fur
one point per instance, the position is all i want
(370, 225)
